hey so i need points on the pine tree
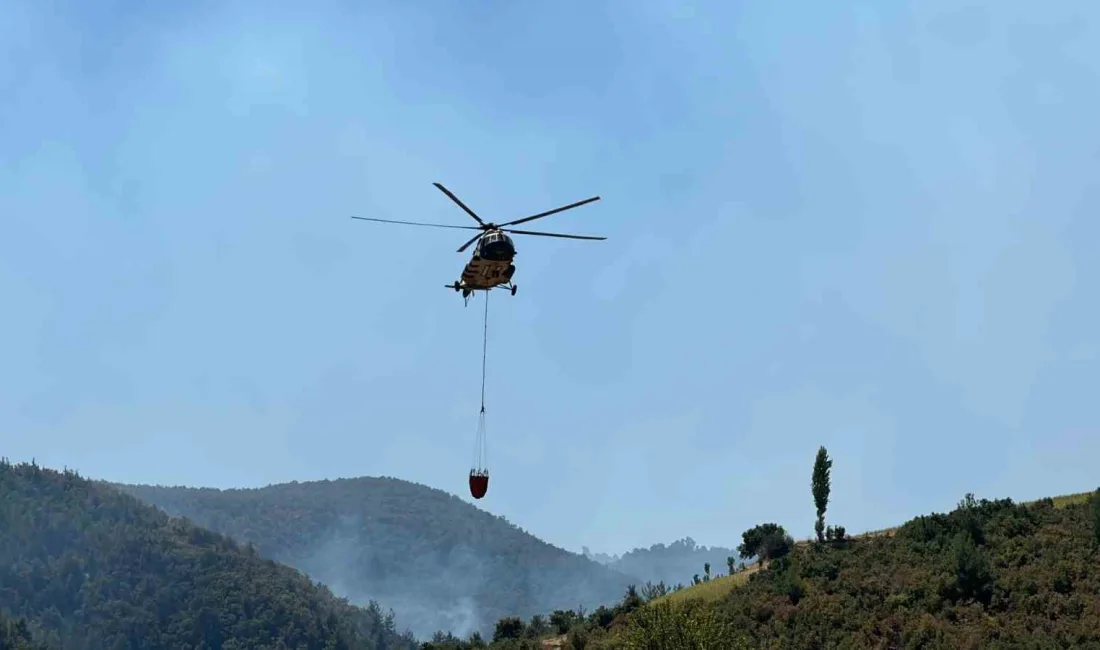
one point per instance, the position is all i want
(822, 466)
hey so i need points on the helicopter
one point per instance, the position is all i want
(491, 264)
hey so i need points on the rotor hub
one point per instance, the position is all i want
(486, 228)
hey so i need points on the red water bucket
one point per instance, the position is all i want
(479, 483)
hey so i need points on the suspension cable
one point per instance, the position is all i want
(484, 349)
(479, 445)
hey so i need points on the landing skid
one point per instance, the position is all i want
(457, 286)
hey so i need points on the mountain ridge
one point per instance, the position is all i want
(440, 562)
(89, 567)
(671, 564)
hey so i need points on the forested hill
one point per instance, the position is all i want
(91, 568)
(438, 561)
(994, 575)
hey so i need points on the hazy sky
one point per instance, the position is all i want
(868, 225)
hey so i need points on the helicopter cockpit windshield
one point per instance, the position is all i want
(496, 246)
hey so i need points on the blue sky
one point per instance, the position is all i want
(869, 225)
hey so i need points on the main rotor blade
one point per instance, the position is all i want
(460, 203)
(467, 244)
(417, 223)
(550, 234)
(550, 212)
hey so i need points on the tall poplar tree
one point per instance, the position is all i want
(822, 465)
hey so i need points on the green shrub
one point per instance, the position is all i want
(510, 627)
(973, 577)
(686, 626)
(562, 620)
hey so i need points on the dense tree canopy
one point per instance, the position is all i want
(766, 541)
(16, 635)
(439, 562)
(91, 568)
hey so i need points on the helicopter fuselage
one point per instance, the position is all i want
(486, 274)
(490, 266)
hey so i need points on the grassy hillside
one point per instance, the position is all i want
(439, 562)
(91, 568)
(989, 574)
(711, 590)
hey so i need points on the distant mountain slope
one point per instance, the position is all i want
(439, 562)
(91, 568)
(672, 564)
